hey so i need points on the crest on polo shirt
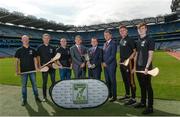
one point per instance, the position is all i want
(51, 50)
(30, 52)
(123, 42)
(143, 43)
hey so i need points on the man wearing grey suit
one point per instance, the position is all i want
(78, 61)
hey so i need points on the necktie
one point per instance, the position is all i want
(106, 44)
(94, 49)
(79, 49)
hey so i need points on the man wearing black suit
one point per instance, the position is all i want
(110, 64)
(77, 52)
(94, 65)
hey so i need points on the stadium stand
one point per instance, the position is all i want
(15, 24)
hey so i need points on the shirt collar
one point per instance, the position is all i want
(143, 37)
(25, 47)
(46, 45)
(109, 41)
(63, 47)
(78, 46)
(94, 47)
(125, 38)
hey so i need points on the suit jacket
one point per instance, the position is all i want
(95, 56)
(109, 53)
(77, 57)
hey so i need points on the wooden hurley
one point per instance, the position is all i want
(55, 66)
(125, 63)
(44, 69)
(56, 57)
(153, 72)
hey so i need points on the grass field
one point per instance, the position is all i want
(166, 86)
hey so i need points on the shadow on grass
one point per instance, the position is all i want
(108, 109)
(40, 111)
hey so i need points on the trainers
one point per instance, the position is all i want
(112, 99)
(148, 110)
(140, 105)
(38, 99)
(130, 102)
(44, 99)
(24, 102)
(124, 98)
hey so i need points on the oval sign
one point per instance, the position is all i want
(79, 93)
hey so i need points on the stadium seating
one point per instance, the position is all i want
(165, 35)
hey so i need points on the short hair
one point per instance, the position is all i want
(122, 26)
(141, 25)
(46, 34)
(24, 36)
(95, 38)
(63, 38)
(108, 31)
(78, 36)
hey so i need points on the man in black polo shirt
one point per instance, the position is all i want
(26, 58)
(65, 60)
(143, 60)
(127, 51)
(45, 53)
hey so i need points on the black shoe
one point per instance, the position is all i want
(110, 96)
(38, 99)
(140, 105)
(130, 102)
(148, 110)
(113, 99)
(24, 102)
(124, 98)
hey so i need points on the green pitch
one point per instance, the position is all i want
(166, 86)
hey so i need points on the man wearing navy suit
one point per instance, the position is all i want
(109, 64)
(94, 65)
(78, 62)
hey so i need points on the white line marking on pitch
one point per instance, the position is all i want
(116, 102)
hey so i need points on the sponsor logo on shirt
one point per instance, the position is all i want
(51, 50)
(123, 43)
(143, 43)
(30, 52)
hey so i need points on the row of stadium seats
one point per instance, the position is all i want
(16, 42)
(12, 42)
(9, 52)
(14, 31)
(165, 35)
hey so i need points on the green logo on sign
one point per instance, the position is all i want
(80, 94)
